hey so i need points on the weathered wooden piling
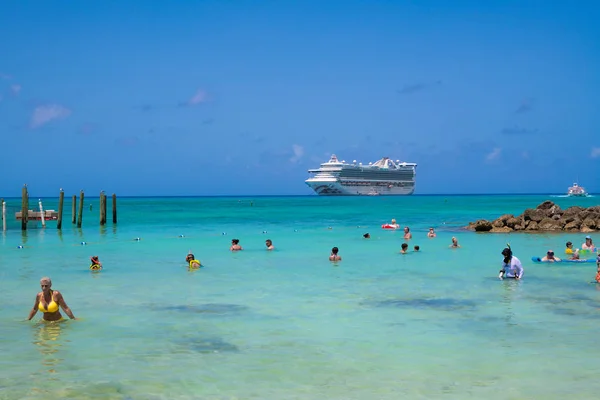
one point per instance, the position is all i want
(3, 214)
(61, 200)
(74, 212)
(24, 208)
(114, 208)
(102, 208)
(80, 216)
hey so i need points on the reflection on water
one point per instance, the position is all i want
(47, 338)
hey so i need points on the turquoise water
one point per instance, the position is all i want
(289, 324)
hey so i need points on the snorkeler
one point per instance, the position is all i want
(511, 266)
(192, 262)
(48, 301)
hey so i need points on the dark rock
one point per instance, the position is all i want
(534, 214)
(572, 226)
(548, 224)
(547, 216)
(532, 226)
(546, 205)
(503, 229)
(512, 222)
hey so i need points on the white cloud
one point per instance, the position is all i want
(494, 154)
(16, 88)
(298, 153)
(595, 152)
(46, 113)
(197, 98)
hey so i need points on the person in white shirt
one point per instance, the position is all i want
(511, 266)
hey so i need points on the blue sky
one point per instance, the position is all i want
(242, 97)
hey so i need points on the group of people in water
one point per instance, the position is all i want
(49, 301)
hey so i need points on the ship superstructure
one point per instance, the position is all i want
(383, 177)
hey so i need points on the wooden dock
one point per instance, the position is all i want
(49, 215)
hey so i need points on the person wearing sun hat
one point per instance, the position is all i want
(588, 245)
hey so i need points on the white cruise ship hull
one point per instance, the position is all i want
(381, 178)
(337, 188)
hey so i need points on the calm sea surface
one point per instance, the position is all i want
(289, 324)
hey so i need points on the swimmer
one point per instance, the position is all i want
(192, 262)
(404, 248)
(394, 223)
(48, 302)
(569, 248)
(549, 257)
(334, 256)
(235, 245)
(598, 268)
(417, 248)
(269, 244)
(95, 265)
(575, 255)
(454, 244)
(367, 235)
(431, 233)
(511, 266)
(407, 234)
(588, 245)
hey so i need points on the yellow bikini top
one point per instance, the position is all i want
(192, 262)
(94, 266)
(52, 306)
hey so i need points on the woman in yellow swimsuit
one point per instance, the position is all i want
(48, 302)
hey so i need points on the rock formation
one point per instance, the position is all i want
(545, 217)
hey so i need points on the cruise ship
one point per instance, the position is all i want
(383, 177)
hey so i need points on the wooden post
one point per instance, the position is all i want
(114, 208)
(102, 208)
(3, 215)
(74, 217)
(61, 200)
(24, 208)
(80, 216)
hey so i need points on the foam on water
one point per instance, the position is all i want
(288, 323)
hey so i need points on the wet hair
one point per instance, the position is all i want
(235, 241)
(269, 241)
(190, 255)
(569, 244)
(335, 250)
(417, 248)
(507, 253)
(366, 235)
(404, 246)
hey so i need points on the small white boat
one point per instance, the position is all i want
(577, 191)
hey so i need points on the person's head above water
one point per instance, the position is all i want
(507, 253)
(94, 259)
(367, 235)
(45, 283)
(569, 244)
(404, 246)
(550, 253)
(189, 257)
(334, 250)
(235, 241)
